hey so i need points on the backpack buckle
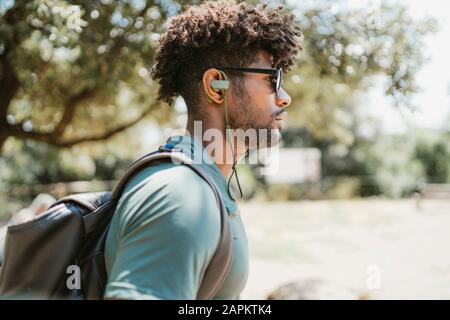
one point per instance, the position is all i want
(169, 148)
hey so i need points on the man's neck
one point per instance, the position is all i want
(221, 152)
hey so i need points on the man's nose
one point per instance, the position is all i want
(283, 98)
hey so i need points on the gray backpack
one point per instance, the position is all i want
(72, 232)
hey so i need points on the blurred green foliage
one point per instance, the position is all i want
(433, 151)
(392, 165)
(24, 165)
(344, 48)
(78, 72)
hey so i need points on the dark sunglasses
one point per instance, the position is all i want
(276, 73)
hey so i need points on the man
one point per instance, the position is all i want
(167, 224)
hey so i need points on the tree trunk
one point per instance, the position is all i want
(9, 85)
(3, 138)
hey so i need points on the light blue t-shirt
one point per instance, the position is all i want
(166, 229)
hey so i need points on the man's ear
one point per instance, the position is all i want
(214, 94)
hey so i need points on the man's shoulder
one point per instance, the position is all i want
(177, 180)
(174, 191)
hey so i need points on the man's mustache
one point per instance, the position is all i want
(277, 113)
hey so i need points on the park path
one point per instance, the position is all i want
(381, 249)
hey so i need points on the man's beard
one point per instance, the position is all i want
(244, 116)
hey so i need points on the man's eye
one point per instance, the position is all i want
(272, 81)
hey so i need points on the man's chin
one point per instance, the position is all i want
(271, 140)
(275, 138)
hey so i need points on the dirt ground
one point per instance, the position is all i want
(372, 249)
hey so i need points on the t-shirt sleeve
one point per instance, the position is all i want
(168, 231)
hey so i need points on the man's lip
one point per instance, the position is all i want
(282, 116)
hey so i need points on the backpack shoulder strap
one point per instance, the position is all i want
(220, 263)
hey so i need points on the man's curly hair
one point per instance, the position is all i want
(220, 33)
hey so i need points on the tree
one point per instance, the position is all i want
(74, 73)
(345, 51)
(433, 151)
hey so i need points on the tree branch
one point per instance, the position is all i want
(69, 110)
(8, 83)
(51, 138)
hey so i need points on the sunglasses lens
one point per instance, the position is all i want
(279, 79)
